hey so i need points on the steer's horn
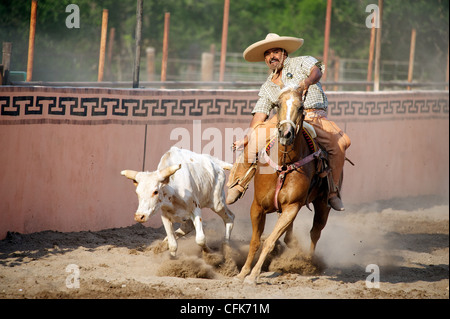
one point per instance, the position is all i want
(129, 174)
(166, 172)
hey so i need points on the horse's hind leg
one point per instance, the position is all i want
(321, 212)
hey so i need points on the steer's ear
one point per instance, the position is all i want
(165, 173)
(130, 174)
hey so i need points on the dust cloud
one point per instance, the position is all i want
(356, 238)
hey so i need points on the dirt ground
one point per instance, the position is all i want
(404, 243)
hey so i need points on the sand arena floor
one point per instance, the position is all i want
(406, 240)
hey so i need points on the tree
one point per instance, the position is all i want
(63, 54)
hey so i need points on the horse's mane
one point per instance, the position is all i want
(289, 87)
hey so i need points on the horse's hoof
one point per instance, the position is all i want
(250, 281)
(238, 279)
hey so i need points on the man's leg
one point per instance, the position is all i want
(335, 141)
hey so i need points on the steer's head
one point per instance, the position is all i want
(148, 188)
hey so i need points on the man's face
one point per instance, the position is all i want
(274, 58)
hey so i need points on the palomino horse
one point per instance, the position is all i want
(292, 185)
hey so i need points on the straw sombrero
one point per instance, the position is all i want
(255, 52)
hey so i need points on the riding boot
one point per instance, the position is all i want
(337, 160)
(334, 198)
(335, 142)
(336, 203)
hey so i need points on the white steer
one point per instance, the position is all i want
(184, 183)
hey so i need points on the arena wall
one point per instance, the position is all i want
(62, 149)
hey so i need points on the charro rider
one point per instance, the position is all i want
(304, 71)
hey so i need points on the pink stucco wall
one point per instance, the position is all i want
(62, 149)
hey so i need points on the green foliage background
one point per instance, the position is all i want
(63, 54)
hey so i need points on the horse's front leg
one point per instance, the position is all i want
(258, 218)
(285, 220)
(290, 239)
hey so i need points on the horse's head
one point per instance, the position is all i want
(290, 113)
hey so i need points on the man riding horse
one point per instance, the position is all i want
(304, 71)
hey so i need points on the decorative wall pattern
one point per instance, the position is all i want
(19, 105)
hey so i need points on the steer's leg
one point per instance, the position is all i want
(185, 228)
(228, 228)
(228, 219)
(172, 241)
(200, 238)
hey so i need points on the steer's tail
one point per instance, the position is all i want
(222, 164)
(226, 165)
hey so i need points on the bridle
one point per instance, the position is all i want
(301, 109)
(287, 168)
(295, 126)
(291, 123)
